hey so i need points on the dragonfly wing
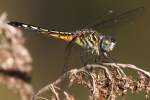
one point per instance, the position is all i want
(128, 15)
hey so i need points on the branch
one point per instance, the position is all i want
(103, 81)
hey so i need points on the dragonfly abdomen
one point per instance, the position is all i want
(66, 36)
(28, 26)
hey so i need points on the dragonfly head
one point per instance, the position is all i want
(107, 44)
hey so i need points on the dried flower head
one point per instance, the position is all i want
(15, 60)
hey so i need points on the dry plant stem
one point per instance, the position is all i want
(129, 66)
(48, 86)
(119, 70)
(101, 67)
(108, 75)
(117, 84)
(51, 87)
(75, 72)
(67, 96)
(41, 98)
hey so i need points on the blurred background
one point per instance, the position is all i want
(132, 35)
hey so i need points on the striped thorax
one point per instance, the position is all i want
(95, 42)
(88, 39)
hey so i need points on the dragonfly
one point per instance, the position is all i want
(94, 42)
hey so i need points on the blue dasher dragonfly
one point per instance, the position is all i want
(95, 43)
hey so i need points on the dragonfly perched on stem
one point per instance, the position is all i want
(97, 44)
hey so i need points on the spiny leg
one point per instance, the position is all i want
(67, 55)
(86, 57)
(66, 63)
(83, 57)
(117, 68)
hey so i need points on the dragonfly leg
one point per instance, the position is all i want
(67, 55)
(85, 57)
(66, 62)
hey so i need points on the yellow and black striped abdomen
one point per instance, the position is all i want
(66, 36)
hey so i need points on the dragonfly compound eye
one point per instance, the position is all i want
(107, 44)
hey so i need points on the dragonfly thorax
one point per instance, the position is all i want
(94, 42)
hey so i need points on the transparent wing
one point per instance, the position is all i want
(125, 16)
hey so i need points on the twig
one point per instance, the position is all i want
(103, 82)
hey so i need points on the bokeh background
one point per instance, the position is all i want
(132, 35)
